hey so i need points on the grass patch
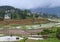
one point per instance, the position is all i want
(46, 40)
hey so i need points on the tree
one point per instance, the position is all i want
(25, 39)
(38, 33)
(58, 33)
(2, 14)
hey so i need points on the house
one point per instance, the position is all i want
(6, 16)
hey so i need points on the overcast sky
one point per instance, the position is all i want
(30, 3)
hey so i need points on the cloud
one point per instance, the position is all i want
(55, 3)
(30, 3)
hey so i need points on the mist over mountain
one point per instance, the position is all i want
(53, 10)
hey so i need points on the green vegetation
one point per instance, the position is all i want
(15, 13)
(51, 36)
(46, 40)
(58, 33)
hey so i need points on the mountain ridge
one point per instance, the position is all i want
(54, 10)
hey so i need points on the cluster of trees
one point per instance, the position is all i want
(52, 33)
(58, 33)
(15, 13)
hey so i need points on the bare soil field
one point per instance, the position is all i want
(24, 21)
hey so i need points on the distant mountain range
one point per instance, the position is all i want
(6, 7)
(54, 10)
(20, 13)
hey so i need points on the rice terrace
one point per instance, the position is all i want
(29, 21)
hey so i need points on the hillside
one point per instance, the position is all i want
(12, 12)
(9, 12)
(53, 11)
(6, 7)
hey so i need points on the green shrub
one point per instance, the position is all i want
(58, 33)
(47, 31)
